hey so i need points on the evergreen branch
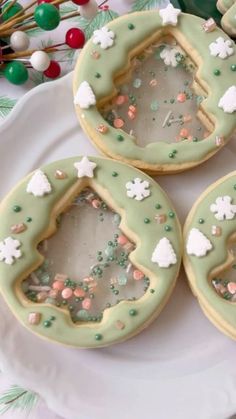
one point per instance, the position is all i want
(6, 105)
(149, 4)
(17, 397)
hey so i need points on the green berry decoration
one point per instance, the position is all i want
(16, 73)
(47, 16)
(15, 8)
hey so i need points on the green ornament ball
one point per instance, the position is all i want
(16, 73)
(47, 16)
(15, 8)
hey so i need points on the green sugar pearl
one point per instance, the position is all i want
(17, 208)
(98, 336)
(171, 155)
(131, 26)
(201, 221)
(132, 312)
(171, 214)
(233, 67)
(235, 186)
(28, 219)
(120, 137)
(114, 174)
(158, 206)
(167, 228)
(147, 220)
(217, 72)
(97, 75)
(47, 323)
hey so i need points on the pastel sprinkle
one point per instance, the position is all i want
(137, 83)
(118, 123)
(67, 293)
(154, 106)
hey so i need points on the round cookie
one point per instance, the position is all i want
(228, 21)
(106, 61)
(147, 247)
(209, 255)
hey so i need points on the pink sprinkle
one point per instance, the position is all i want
(138, 275)
(132, 108)
(232, 287)
(181, 98)
(118, 123)
(53, 293)
(184, 133)
(78, 292)
(67, 293)
(187, 118)
(153, 83)
(131, 115)
(96, 203)
(120, 325)
(58, 285)
(219, 141)
(34, 318)
(41, 296)
(86, 304)
(60, 277)
(120, 100)
(122, 240)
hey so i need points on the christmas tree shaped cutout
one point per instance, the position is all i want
(164, 254)
(39, 184)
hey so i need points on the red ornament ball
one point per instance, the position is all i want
(80, 2)
(75, 38)
(53, 71)
(47, 1)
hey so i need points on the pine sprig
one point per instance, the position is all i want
(100, 20)
(17, 397)
(6, 105)
(149, 4)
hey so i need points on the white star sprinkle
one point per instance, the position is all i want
(169, 15)
(85, 167)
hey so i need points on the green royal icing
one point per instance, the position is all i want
(199, 269)
(162, 280)
(114, 61)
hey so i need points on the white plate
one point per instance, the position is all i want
(181, 366)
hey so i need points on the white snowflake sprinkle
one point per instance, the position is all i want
(9, 251)
(138, 189)
(221, 48)
(169, 54)
(104, 37)
(223, 208)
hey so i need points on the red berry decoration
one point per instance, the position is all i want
(75, 38)
(53, 71)
(47, 1)
(80, 2)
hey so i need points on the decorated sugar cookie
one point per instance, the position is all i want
(228, 10)
(210, 253)
(160, 96)
(89, 251)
